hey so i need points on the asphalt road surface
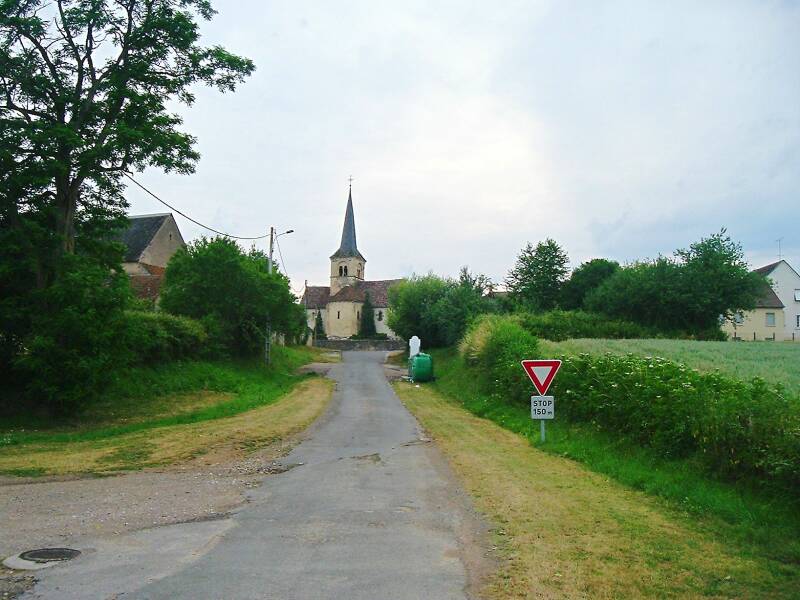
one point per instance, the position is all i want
(369, 511)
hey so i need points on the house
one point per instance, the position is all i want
(150, 241)
(340, 304)
(777, 312)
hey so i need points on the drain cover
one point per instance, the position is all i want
(45, 555)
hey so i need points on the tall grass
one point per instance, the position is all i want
(136, 392)
(775, 362)
(742, 513)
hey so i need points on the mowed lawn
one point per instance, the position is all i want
(775, 362)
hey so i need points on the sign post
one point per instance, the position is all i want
(541, 374)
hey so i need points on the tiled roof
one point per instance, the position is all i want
(139, 234)
(319, 296)
(767, 269)
(316, 296)
(768, 299)
(147, 287)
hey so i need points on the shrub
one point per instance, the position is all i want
(559, 325)
(156, 336)
(737, 429)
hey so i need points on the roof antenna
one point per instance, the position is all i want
(780, 255)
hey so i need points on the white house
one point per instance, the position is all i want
(785, 282)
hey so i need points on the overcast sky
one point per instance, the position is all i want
(620, 129)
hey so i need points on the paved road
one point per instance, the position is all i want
(369, 512)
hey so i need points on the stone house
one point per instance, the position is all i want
(150, 241)
(340, 304)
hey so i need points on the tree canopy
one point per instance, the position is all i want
(536, 279)
(231, 292)
(584, 279)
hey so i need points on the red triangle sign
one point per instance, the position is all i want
(542, 373)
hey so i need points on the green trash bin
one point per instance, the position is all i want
(420, 367)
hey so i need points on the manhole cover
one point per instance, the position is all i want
(44, 555)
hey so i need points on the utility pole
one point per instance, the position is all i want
(268, 330)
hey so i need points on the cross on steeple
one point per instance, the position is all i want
(350, 179)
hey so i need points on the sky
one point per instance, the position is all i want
(620, 129)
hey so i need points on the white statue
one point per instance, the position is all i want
(414, 345)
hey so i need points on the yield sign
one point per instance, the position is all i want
(541, 372)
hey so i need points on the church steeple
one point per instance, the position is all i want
(348, 247)
(347, 263)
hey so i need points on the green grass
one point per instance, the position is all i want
(747, 517)
(161, 396)
(775, 362)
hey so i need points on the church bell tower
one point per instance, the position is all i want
(347, 263)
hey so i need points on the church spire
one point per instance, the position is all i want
(348, 247)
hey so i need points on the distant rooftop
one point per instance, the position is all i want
(139, 234)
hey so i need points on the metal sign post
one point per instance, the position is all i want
(541, 374)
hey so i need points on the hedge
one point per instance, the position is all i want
(737, 429)
(158, 336)
(559, 325)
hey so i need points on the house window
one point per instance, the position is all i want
(797, 323)
(770, 319)
(338, 314)
(380, 316)
(797, 295)
(738, 318)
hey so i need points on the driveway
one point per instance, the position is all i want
(367, 509)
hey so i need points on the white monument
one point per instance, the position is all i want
(414, 346)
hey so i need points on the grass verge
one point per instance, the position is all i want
(563, 531)
(166, 414)
(765, 522)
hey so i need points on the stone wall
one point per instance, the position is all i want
(383, 345)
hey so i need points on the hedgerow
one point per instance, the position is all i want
(157, 336)
(559, 325)
(736, 429)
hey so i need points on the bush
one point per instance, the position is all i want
(559, 325)
(157, 337)
(737, 429)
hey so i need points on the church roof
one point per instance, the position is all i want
(318, 296)
(348, 247)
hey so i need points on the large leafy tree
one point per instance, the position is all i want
(687, 292)
(232, 292)
(85, 87)
(536, 279)
(584, 279)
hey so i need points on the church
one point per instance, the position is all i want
(340, 304)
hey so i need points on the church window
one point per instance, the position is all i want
(358, 314)
(380, 315)
(345, 271)
(341, 270)
(338, 314)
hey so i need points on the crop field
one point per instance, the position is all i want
(775, 362)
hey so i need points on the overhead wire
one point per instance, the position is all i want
(196, 222)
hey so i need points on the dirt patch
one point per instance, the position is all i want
(238, 453)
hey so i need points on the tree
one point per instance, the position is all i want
(231, 292)
(687, 292)
(319, 327)
(84, 93)
(366, 328)
(536, 279)
(584, 279)
(437, 310)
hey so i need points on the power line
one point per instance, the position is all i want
(283, 264)
(184, 215)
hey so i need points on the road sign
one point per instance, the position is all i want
(543, 407)
(542, 373)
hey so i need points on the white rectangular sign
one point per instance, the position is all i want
(543, 407)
